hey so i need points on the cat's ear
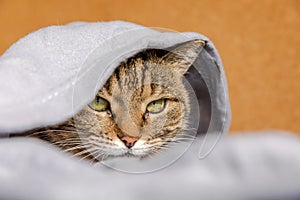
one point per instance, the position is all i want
(183, 56)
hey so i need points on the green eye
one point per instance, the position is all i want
(99, 104)
(156, 106)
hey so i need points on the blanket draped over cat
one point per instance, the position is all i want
(49, 75)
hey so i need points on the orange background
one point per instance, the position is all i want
(258, 41)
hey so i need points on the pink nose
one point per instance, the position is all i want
(129, 141)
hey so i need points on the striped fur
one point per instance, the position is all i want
(150, 75)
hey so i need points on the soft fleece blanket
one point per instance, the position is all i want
(259, 166)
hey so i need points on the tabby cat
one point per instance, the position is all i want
(142, 108)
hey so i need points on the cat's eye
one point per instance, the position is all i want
(99, 104)
(156, 106)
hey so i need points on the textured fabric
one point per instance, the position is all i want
(260, 166)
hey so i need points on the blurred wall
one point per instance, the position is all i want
(258, 41)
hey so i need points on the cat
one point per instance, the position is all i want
(141, 109)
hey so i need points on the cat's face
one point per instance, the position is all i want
(142, 108)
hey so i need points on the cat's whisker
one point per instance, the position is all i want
(88, 155)
(67, 140)
(187, 134)
(50, 130)
(184, 138)
(63, 143)
(180, 137)
(97, 156)
(77, 147)
(74, 147)
(94, 161)
(101, 145)
(100, 155)
(88, 150)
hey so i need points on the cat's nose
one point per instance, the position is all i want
(129, 141)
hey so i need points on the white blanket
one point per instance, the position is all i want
(260, 166)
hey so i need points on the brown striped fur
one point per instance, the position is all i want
(150, 75)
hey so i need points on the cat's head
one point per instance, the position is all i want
(143, 107)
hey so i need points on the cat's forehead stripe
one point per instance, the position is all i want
(131, 75)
